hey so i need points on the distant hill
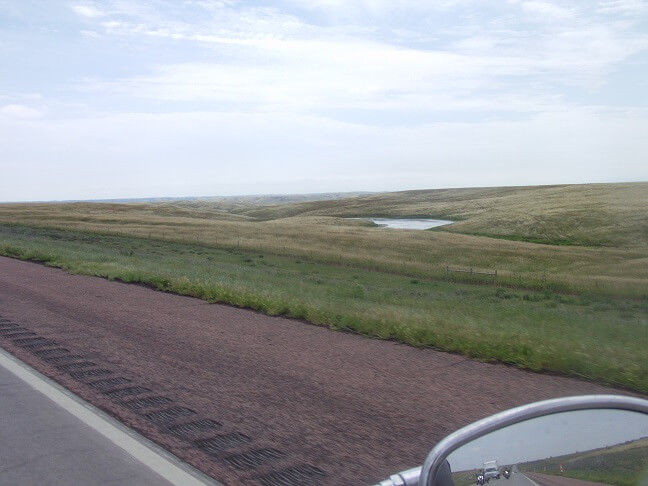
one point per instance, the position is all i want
(613, 215)
(232, 201)
(571, 214)
(623, 464)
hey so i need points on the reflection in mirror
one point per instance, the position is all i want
(562, 449)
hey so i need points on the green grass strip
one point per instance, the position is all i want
(599, 338)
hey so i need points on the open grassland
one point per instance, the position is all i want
(622, 465)
(620, 269)
(579, 309)
(582, 214)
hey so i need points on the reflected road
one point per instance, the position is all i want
(516, 479)
(536, 479)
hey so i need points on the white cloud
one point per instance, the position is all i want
(547, 9)
(273, 60)
(88, 10)
(314, 75)
(270, 73)
(212, 4)
(20, 111)
(376, 7)
(624, 7)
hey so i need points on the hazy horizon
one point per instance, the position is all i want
(288, 195)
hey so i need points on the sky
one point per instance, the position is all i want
(135, 98)
(552, 436)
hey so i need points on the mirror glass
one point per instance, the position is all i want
(562, 449)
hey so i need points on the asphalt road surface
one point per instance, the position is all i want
(44, 445)
(536, 479)
(247, 398)
(516, 479)
(50, 437)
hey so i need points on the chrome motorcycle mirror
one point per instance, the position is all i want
(602, 437)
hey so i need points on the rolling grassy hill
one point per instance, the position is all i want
(584, 214)
(621, 465)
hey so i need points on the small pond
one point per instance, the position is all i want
(414, 224)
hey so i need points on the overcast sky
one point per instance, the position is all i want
(134, 98)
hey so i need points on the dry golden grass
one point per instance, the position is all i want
(582, 214)
(613, 215)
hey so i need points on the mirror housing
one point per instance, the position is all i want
(437, 456)
(404, 478)
(432, 471)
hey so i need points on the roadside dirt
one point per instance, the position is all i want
(268, 400)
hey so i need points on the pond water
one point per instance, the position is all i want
(415, 224)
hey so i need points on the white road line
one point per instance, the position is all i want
(146, 452)
(529, 479)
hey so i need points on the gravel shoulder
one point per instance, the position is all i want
(248, 398)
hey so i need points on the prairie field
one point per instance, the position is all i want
(570, 295)
(619, 465)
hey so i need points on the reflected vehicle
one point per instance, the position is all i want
(491, 471)
(598, 438)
